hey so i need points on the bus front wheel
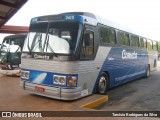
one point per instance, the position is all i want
(103, 84)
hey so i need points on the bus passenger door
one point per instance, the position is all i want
(88, 71)
(87, 50)
(89, 43)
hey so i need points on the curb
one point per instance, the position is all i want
(95, 103)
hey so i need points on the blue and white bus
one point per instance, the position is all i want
(10, 54)
(72, 55)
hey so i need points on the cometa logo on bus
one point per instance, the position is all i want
(41, 56)
(127, 55)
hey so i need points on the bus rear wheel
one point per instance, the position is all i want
(103, 84)
(148, 72)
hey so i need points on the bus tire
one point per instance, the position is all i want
(103, 84)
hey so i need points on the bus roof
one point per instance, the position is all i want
(85, 15)
(16, 35)
(81, 13)
(88, 18)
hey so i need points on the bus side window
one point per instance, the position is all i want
(149, 45)
(134, 40)
(107, 35)
(123, 38)
(155, 45)
(88, 45)
(145, 43)
(141, 42)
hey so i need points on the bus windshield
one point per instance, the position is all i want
(54, 37)
(10, 46)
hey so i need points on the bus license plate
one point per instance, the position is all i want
(40, 89)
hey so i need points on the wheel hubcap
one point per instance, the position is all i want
(102, 84)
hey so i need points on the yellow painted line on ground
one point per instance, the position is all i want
(95, 103)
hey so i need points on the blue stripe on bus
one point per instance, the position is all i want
(46, 78)
(123, 70)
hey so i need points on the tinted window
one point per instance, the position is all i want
(134, 40)
(154, 45)
(123, 38)
(141, 42)
(107, 35)
(149, 44)
(145, 43)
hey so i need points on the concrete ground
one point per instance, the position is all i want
(140, 95)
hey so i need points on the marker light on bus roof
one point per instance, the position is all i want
(85, 20)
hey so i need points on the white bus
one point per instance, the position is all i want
(72, 55)
(10, 54)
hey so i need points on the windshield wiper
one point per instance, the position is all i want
(28, 43)
(35, 41)
(48, 46)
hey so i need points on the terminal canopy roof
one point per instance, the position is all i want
(8, 8)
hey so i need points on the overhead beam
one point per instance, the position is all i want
(2, 17)
(8, 4)
(12, 11)
(14, 29)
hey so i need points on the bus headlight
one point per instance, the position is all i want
(62, 80)
(56, 79)
(59, 80)
(25, 74)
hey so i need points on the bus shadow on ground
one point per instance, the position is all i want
(118, 93)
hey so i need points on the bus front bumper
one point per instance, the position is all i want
(10, 72)
(54, 92)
